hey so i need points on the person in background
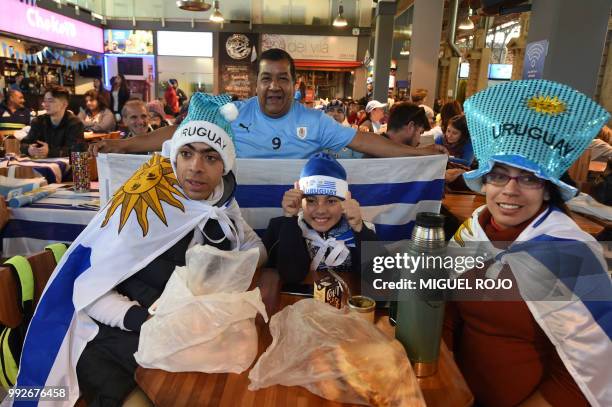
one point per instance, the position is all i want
(600, 147)
(435, 130)
(54, 133)
(407, 122)
(313, 214)
(437, 106)
(181, 96)
(300, 91)
(336, 110)
(369, 89)
(98, 86)
(419, 96)
(157, 117)
(375, 113)
(461, 152)
(272, 125)
(119, 95)
(136, 118)
(13, 114)
(545, 342)
(353, 109)
(172, 102)
(97, 117)
(448, 111)
(17, 85)
(458, 142)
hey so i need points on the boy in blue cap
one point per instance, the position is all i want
(322, 227)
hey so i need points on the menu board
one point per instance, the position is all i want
(238, 64)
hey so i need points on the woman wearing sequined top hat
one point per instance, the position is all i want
(550, 345)
(322, 227)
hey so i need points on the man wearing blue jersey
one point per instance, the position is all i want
(271, 125)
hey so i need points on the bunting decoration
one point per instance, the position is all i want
(60, 56)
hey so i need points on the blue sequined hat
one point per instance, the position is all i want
(536, 125)
(323, 175)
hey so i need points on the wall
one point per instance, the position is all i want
(188, 71)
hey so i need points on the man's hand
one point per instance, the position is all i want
(452, 174)
(432, 149)
(352, 212)
(292, 201)
(107, 146)
(38, 150)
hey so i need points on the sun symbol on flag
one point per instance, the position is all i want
(546, 105)
(152, 183)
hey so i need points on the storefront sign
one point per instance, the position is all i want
(35, 22)
(237, 64)
(313, 47)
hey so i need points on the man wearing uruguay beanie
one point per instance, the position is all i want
(322, 227)
(173, 202)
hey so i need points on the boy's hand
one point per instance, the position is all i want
(292, 201)
(352, 212)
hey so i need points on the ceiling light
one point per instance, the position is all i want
(340, 21)
(467, 23)
(193, 5)
(216, 16)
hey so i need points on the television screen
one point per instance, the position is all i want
(500, 71)
(130, 66)
(128, 42)
(91, 71)
(464, 70)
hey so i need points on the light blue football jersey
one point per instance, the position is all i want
(298, 134)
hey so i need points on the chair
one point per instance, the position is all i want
(42, 265)
(579, 171)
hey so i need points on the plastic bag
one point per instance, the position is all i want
(204, 320)
(337, 355)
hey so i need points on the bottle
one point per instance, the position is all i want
(420, 313)
(79, 159)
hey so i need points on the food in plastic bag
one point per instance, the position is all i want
(205, 319)
(336, 355)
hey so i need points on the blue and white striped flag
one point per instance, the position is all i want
(391, 191)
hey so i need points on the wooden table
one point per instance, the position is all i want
(461, 206)
(446, 388)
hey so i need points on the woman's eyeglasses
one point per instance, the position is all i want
(525, 181)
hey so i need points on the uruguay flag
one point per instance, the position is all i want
(562, 276)
(146, 216)
(391, 191)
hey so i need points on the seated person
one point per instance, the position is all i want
(13, 114)
(406, 124)
(131, 254)
(56, 132)
(337, 111)
(457, 141)
(375, 113)
(298, 241)
(97, 117)
(532, 351)
(136, 118)
(157, 117)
